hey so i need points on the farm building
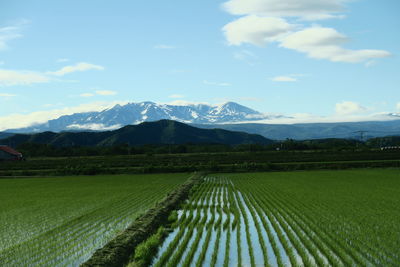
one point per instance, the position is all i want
(7, 153)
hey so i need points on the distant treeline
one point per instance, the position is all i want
(208, 162)
(45, 150)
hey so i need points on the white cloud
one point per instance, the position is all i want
(284, 79)
(14, 121)
(325, 43)
(178, 71)
(164, 46)
(348, 107)
(176, 96)
(251, 99)
(82, 66)
(186, 103)
(52, 105)
(216, 83)
(311, 118)
(12, 77)
(256, 30)
(9, 33)
(398, 106)
(106, 92)
(263, 22)
(370, 63)
(6, 95)
(86, 95)
(244, 55)
(63, 60)
(23, 77)
(307, 9)
(99, 92)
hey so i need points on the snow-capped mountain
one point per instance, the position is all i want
(135, 113)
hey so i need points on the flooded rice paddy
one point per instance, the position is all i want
(223, 225)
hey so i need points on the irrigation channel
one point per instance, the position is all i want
(221, 225)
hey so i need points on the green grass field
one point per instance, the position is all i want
(62, 220)
(314, 218)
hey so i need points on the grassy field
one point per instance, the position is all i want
(62, 220)
(317, 218)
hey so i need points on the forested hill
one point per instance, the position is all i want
(159, 132)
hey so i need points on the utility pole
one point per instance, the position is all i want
(361, 134)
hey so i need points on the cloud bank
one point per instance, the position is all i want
(82, 66)
(11, 32)
(284, 79)
(326, 43)
(264, 21)
(348, 107)
(24, 77)
(306, 9)
(256, 30)
(13, 77)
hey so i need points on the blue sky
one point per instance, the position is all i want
(311, 58)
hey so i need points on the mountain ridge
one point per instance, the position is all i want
(229, 116)
(159, 132)
(135, 113)
(304, 131)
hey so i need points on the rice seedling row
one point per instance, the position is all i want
(288, 219)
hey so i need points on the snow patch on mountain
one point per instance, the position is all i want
(135, 113)
(93, 127)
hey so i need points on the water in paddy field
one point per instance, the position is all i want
(233, 256)
(222, 248)
(243, 241)
(210, 249)
(165, 244)
(71, 245)
(281, 250)
(189, 245)
(270, 252)
(258, 254)
(218, 243)
(197, 253)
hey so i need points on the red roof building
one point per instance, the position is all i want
(8, 153)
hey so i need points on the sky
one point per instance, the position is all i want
(331, 59)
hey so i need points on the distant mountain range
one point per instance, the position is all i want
(303, 131)
(229, 116)
(159, 132)
(135, 113)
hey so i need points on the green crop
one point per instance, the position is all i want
(63, 220)
(313, 218)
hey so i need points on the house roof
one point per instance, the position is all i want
(9, 150)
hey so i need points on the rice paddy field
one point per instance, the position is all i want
(61, 221)
(318, 218)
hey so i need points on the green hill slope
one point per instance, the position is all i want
(159, 132)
